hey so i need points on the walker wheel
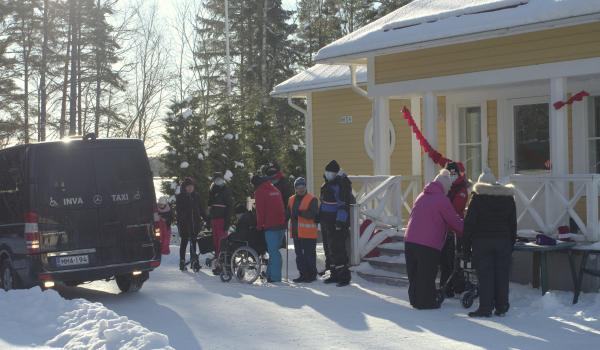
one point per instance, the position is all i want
(225, 276)
(467, 299)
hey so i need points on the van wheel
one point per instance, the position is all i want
(130, 283)
(7, 276)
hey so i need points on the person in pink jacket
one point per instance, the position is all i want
(431, 217)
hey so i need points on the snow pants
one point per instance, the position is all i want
(422, 266)
(165, 237)
(491, 259)
(274, 240)
(218, 233)
(336, 238)
(185, 238)
(306, 256)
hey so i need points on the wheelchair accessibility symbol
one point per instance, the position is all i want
(97, 199)
(53, 203)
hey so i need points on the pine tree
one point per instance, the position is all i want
(318, 26)
(187, 145)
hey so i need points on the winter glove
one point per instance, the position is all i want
(339, 225)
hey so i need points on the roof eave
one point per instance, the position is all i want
(496, 33)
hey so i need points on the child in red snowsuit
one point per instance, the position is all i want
(164, 224)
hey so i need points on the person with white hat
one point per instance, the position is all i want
(491, 230)
(425, 236)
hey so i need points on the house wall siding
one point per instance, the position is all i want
(342, 142)
(554, 45)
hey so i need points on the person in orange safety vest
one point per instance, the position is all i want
(302, 210)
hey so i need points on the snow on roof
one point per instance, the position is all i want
(320, 76)
(425, 20)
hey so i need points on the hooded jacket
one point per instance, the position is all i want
(492, 213)
(336, 197)
(270, 212)
(431, 217)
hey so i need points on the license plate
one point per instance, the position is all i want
(73, 260)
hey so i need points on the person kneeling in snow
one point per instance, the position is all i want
(303, 208)
(425, 236)
(491, 230)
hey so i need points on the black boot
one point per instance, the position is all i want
(480, 313)
(182, 266)
(343, 276)
(333, 278)
(299, 279)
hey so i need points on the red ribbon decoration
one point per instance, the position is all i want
(577, 97)
(435, 156)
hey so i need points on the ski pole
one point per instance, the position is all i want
(287, 258)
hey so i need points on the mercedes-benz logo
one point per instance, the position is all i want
(97, 199)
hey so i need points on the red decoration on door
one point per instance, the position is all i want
(435, 156)
(577, 97)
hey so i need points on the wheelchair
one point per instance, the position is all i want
(243, 257)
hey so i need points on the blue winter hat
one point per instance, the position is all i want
(300, 182)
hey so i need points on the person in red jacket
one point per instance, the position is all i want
(459, 197)
(270, 218)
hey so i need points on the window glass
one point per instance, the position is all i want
(532, 137)
(469, 142)
(12, 191)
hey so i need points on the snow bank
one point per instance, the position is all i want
(33, 318)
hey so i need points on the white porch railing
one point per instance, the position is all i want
(387, 202)
(547, 202)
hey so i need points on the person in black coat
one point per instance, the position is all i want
(491, 231)
(190, 218)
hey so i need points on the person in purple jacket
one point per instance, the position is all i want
(431, 217)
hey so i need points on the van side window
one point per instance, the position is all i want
(12, 191)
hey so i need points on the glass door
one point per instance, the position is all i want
(530, 136)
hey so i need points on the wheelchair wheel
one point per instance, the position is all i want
(467, 299)
(245, 265)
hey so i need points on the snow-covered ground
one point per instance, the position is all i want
(199, 311)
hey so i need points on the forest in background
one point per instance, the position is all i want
(119, 68)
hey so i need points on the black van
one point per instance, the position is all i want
(77, 211)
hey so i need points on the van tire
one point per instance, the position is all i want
(129, 283)
(7, 276)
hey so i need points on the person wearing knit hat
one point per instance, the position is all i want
(220, 208)
(425, 236)
(336, 198)
(279, 181)
(302, 210)
(190, 217)
(491, 232)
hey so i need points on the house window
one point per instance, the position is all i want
(469, 140)
(594, 134)
(532, 137)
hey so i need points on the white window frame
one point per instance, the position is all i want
(581, 139)
(453, 124)
(510, 127)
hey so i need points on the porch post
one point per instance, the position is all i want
(430, 132)
(559, 144)
(381, 136)
(415, 109)
(308, 142)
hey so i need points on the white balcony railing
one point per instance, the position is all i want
(384, 200)
(546, 202)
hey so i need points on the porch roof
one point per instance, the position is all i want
(425, 21)
(317, 77)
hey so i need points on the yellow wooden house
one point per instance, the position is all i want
(481, 78)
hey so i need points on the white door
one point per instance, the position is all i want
(528, 136)
(468, 143)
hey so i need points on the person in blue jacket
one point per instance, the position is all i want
(336, 197)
